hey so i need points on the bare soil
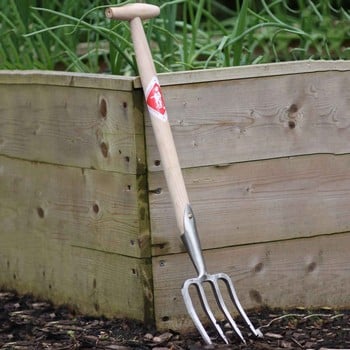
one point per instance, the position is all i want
(27, 323)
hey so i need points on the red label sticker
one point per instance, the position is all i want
(155, 100)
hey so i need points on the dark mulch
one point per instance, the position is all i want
(26, 323)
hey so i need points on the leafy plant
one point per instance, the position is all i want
(74, 35)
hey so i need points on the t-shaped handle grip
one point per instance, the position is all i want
(130, 11)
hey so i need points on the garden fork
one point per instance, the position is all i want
(134, 13)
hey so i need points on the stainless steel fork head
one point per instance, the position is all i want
(191, 240)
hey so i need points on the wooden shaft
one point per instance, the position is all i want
(130, 11)
(160, 124)
(155, 103)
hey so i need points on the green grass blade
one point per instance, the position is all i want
(238, 30)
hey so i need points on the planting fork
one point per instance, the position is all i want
(134, 13)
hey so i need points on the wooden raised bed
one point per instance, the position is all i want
(85, 216)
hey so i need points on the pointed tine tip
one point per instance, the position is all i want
(207, 309)
(258, 333)
(222, 305)
(238, 305)
(233, 295)
(221, 333)
(191, 310)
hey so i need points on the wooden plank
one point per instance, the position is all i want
(309, 272)
(81, 127)
(88, 280)
(227, 121)
(89, 209)
(257, 201)
(251, 71)
(54, 78)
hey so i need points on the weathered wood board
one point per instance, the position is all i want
(85, 208)
(71, 124)
(89, 280)
(258, 201)
(307, 272)
(244, 119)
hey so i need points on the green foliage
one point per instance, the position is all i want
(74, 35)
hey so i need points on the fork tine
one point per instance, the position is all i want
(192, 312)
(233, 295)
(205, 305)
(223, 307)
(208, 311)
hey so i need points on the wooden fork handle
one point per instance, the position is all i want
(156, 106)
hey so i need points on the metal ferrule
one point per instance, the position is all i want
(191, 241)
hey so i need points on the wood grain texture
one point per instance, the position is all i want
(249, 71)
(308, 272)
(76, 236)
(244, 119)
(97, 210)
(257, 201)
(90, 281)
(80, 127)
(68, 79)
